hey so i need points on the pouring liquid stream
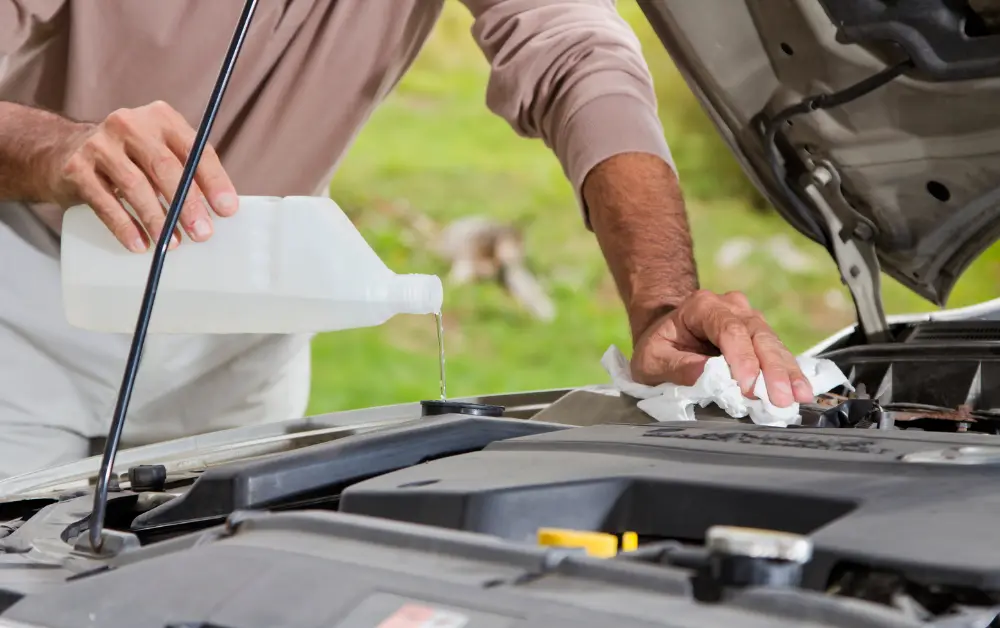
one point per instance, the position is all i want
(440, 332)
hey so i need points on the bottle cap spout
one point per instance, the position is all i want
(419, 294)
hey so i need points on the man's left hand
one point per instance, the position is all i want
(637, 212)
(676, 346)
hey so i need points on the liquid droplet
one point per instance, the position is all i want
(440, 330)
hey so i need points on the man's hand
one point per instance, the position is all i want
(676, 346)
(134, 154)
(637, 212)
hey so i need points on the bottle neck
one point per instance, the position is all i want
(416, 294)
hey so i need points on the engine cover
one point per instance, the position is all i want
(908, 501)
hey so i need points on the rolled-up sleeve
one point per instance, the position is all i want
(570, 72)
(19, 21)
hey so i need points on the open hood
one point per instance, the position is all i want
(898, 172)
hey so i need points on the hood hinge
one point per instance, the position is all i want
(853, 249)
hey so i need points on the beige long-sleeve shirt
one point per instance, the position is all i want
(311, 72)
(568, 71)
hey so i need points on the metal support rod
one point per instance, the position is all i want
(856, 258)
(156, 268)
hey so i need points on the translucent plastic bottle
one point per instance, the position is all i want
(280, 265)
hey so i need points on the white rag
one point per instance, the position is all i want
(670, 402)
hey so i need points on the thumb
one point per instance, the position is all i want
(668, 365)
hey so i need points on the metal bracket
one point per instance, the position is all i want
(853, 251)
(113, 543)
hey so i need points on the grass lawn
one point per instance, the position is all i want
(434, 147)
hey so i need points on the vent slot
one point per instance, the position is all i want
(975, 331)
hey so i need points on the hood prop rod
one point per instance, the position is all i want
(855, 256)
(96, 524)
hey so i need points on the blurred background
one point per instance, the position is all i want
(433, 155)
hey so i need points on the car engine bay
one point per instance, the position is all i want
(892, 489)
(877, 510)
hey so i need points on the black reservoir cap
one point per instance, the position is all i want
(147, 477)
(437, 407)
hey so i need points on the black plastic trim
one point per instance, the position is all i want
(269, 481)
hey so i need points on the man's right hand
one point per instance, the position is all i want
(138, 155)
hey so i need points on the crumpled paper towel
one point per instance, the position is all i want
(670, 402)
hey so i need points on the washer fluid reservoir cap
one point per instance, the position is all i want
(436, 408)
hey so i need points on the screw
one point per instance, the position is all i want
(863, 231)
(821, 174)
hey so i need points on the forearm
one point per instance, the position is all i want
(637, 212)
(572, 72)
(29, 141)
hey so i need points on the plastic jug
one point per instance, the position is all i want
(280, 265)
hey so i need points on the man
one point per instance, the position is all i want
(97, 103)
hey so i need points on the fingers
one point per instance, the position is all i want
(739, 301)
(784, 379)
(150, 148)
(749, 345)
(105, 204)
(132, 185)
(210, 176)
(654, 362)
(166, 172)
(684, 368)
(717, 320)
(139, 154)
(81, 174)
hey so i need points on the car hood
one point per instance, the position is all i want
(916, 160)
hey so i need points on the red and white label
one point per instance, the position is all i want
(416, 616)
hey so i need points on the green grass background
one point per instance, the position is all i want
(434, 147)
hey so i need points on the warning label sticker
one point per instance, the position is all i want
(418, 616)
(389, 610)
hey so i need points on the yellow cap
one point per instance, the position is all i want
(630, 542)
(597, 544)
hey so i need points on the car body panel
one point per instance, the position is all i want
(919, 160)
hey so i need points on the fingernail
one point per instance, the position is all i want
(225, 202)
(137, 245)
(781, 394)
(174, 240)
(201, 229)
(803, 389)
